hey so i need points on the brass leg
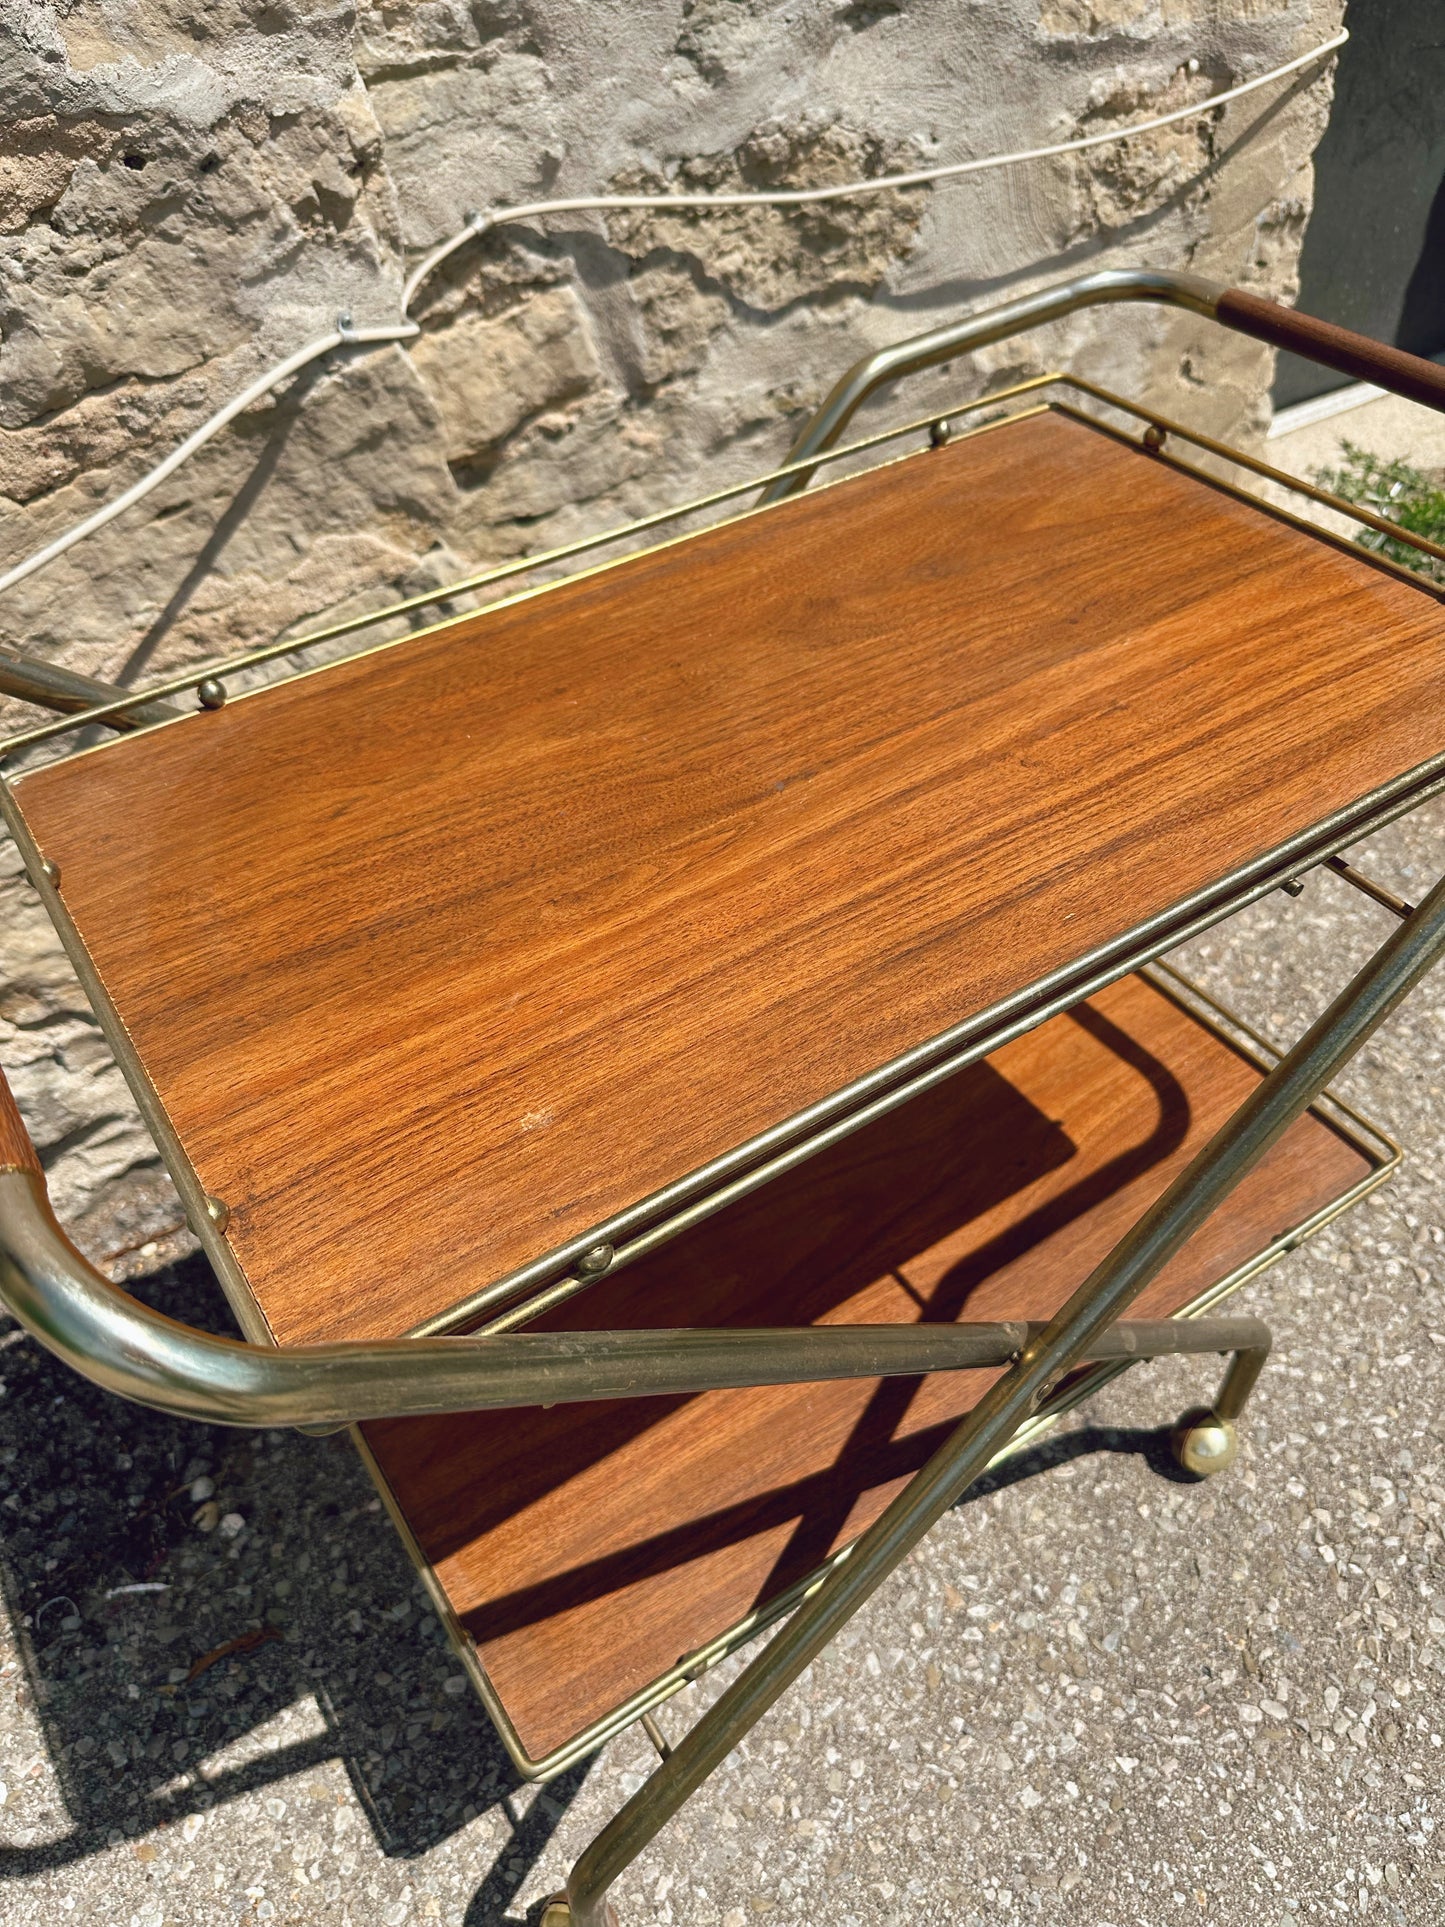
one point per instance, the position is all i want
(1206, 1440)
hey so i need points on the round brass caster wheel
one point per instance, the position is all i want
(557, 1913)
(1204, 1443)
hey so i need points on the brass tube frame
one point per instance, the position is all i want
(1368, 887)
(1239, 1382)
(940, 345)
(38, 1274)
(54, 687)
(955, 338)
(116, 1342)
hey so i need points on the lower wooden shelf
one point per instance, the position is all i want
(581, 1552)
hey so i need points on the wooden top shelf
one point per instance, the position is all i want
(441, 956)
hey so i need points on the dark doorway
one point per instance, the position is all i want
(1374, 252)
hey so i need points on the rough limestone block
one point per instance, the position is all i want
(490, 375)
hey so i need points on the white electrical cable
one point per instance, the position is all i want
(262, 385)
(808, 196)
(345, 335)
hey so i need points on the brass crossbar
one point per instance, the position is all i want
(112, 1339)
(1367, 886)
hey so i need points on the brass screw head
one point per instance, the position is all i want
(939, 433)
(219, 1212)
(211, 694)
(593, 1263)
(1154, 437)
(50, 871)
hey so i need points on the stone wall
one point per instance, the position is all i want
(191, 188)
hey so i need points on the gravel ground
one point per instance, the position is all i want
(1097, 1694)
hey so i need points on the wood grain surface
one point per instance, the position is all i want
(1357, 356)
(439, 957)
(586, 1549)
(17, 1152)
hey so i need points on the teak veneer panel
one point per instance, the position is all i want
(441, 956)
(587, 1548)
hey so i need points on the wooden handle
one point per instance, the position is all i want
(1337, 348)
(17, 1153)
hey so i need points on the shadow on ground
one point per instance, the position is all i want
(204, 1612)
(1154, 1447)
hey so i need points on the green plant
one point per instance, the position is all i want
(1398, 492)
